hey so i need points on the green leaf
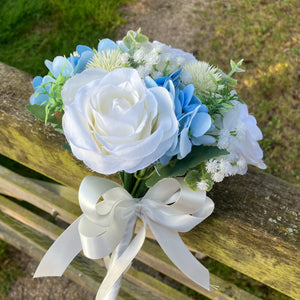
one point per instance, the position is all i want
(240, 63)
(179, 167)
(232, 64)
(131, 34)
(191, 179)
(67, 147)
(142, 39)
(127, 41)
(39, 112)
(231, 82)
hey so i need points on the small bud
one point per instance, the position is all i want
(57, 115)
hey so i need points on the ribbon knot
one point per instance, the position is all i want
(107, 226)
(139, 211)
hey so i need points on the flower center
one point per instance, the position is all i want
(119, 104)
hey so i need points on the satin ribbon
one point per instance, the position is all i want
(167, 208)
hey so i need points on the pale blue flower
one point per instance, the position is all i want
(107, 44)
(60, 66)
(66, 67)
(193, 118)
(86, 54)
(41, 89)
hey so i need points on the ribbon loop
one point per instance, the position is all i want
(107, 226)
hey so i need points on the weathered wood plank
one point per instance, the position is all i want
(151, 285)
(158, 288)
(34, 244)
(151, 255)
(241, 233)
(154, 256)
(23, 188)
(29, 218)
(34, 145)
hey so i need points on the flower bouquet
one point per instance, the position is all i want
(168, 124)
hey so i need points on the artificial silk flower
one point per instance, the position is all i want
(139, 106)
(114, 123)
(148, 112)
(239, 134)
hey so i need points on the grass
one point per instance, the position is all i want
(32, 31)
(266, 35)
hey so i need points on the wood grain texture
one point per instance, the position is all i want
(29, 229)
(29, 141)
(255, 225)
(151, 254)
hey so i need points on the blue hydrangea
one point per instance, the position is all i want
(66, 67)
(41, 87)
(193, 118)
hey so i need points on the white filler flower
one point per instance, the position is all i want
(113, 122)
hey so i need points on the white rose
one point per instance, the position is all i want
(113, 122)
(239, 135)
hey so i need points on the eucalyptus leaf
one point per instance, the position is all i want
(127, 41)
(179, 167)
(142, 39)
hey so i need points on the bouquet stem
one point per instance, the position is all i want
(135, 183)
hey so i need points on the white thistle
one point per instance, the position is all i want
(143, 71)
(108, 60)
(156, 74)
(201, 74)
(225, 167)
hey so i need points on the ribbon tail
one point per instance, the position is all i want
(61, 253)
(173, 246)
(113, 293)
(121, 264)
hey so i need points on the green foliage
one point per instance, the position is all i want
(235, 68)
(55, 120)
(179, 167)
(220, 101)
(133, 40)
(196, 175)
(32, 31)
(192, 178)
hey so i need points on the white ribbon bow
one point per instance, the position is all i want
(168, 207)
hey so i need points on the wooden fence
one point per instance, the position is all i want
(254, 228)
